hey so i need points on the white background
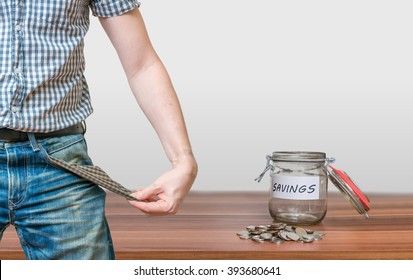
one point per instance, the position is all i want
(258, 76)
(125, 269)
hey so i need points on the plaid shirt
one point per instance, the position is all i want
(42, 83)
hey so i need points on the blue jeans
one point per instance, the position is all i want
(57, 215)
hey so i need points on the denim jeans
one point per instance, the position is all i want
(56, 214)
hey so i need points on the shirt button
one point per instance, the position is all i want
(14, 109)
(18, 27)
(17, 71)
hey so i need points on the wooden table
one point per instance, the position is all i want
(207, 223)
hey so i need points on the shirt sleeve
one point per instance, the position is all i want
(111, 8)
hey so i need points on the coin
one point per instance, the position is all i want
(293, 236)
(278, 225)
(307, 238)
(257, 238)
(266, 236)
(277, 240)
(317, 236)
(309, 230)
(250, 228)
(244, 236)
(243, 232)
(300, 231)
(263, 228)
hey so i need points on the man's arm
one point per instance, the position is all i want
(154, 92)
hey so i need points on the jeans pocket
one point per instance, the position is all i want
(71, 149)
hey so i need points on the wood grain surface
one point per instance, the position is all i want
(207, 223)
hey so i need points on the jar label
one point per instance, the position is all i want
(295, 187)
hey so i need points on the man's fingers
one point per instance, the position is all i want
(154, 208)
(147, 194)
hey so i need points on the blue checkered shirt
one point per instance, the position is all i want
(42, 82)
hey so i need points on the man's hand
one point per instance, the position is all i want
(165, 195)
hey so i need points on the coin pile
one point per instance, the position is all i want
(279, 233)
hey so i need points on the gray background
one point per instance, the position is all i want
(258, 76)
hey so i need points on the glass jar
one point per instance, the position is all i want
(298, 190)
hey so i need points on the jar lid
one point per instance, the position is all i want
(298, 156)
(350, 190)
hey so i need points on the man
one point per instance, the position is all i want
(44, 99)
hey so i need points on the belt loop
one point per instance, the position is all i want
(33, 141)
(83, 124)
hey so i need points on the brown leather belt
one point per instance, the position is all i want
(10, 135)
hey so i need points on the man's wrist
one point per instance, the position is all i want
(187, 161)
